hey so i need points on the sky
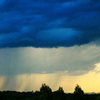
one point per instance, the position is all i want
(56, 42)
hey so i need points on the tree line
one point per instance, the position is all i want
(46, 93)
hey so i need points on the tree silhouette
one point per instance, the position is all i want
(78, 93)
(60, 90)
(45, 88)
(46, 92)
(78, 90)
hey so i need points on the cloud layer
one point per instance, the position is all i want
(73, 61)
(48, 23)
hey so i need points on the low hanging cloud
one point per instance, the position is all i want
(49, 23)
(72, 61)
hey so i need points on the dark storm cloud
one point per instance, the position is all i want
(48, 23)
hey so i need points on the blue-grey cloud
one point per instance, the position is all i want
(48, 23)
(73, 60)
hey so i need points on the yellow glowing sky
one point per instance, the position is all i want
(89, 82)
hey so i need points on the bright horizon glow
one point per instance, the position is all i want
(25, 69)
(27, 82)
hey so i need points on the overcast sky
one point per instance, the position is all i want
(44, 40)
